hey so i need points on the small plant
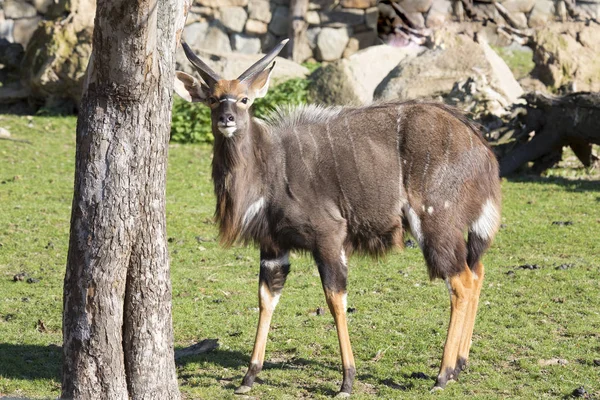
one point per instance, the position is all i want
(191, 121)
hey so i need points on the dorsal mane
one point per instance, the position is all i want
(288, 116)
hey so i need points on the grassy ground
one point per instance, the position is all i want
(529, 318)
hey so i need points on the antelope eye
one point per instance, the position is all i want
(212, 100)
(244, 100)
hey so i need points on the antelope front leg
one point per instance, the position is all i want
(273, 272)
(334, 275)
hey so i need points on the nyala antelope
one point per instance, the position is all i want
(332, 180)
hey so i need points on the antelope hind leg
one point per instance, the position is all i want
(334, 275)
(465, 342)
(273, 273)
(461, 289)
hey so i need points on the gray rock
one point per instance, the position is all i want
(313, 18)
(233, 18)
(418, 6)
(589, 10)
(371, 15)
(331, 43)
(230, 66)
(343, 17)
(541, 14)
(6, 29)
(353, 80)
(416, 19)
(245, 44)
(24, 29)
(351, 48)
(501, 76)
(311, 36)
(280, 22)
(15, 9)
(519, 6)
(222, 3)
(195, 33)
(366, 38)
(439, 13)
(254, 27)
(42, 6)
(216, 39)
(435, 73)
(261, 10)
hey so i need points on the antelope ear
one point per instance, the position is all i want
(190, 88)
(260, 83)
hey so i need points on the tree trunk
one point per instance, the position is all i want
(117, 326)
(298, 44)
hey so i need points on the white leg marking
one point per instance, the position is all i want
(345, 301)
(430, 210)
(277, 262)
(446, 204)
(265, 297)
(252, 211)
(415, 224)
(487, 223)
(475, 277)
(343, 257)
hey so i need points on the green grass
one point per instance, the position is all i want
(520, 62)
(525, 316)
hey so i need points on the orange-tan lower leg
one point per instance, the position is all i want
(465, 342)
(267, 303)
(337, 305)
(461, 290)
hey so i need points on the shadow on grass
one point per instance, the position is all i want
(571, 185)
(236, 360)
(30, 362)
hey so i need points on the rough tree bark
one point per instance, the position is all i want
(117, 327)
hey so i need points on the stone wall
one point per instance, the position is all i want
(518, 14)
(336, 28)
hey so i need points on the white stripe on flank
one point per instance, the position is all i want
(487, 223)
(252, 211)
(343, 257)
(415, 224)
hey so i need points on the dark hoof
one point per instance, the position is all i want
(436, 388)
(243, 389)
(461, 365)
(447, 376)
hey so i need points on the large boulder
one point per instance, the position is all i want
(231, 65)
(353, 80)
(434, 73)
(56, 60)
(568, 56)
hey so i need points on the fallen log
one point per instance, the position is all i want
(545, 124)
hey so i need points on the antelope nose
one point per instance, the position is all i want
(227, 119)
